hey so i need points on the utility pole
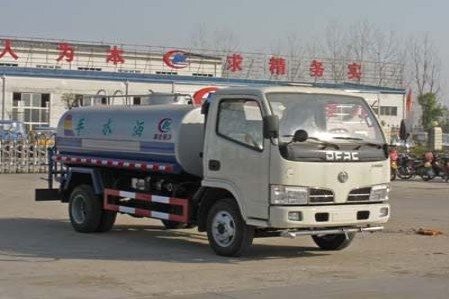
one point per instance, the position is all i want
(126, 92)
(3, 95)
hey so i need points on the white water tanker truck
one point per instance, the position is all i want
(252, 162)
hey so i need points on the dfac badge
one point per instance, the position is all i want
(342, 177)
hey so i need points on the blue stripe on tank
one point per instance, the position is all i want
(120, 155)
(159, 147)
(145, 147)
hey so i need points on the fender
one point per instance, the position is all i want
(218, 189)
(95, 176)
(232, 189)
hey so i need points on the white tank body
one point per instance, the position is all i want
(161, 133)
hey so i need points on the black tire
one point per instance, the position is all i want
(427, 174)
(405, 173)
(333, 242)
(84, 209)
(426, 177)
(107, 221)
(227, 232)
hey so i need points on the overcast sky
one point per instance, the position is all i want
(258, 24)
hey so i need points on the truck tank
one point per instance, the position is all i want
(160, 133)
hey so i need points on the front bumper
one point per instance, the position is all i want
(330, 231)
(330, 215)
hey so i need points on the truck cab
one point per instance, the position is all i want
(298, 160)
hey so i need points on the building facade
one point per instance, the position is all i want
(37, 77)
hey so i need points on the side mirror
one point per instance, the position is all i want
(270, 126)
(205, 107)
(300, 136)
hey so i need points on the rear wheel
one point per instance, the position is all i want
(84, 209)
(333, 242)
(107, 221)
(227, 232)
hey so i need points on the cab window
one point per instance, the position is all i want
(240, 120)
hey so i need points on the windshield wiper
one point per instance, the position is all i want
(322, 142)
(301, 136)
(360, 141)
(325, 143)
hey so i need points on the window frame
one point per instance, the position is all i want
(235, 140)
(388, 110)
(18, 109)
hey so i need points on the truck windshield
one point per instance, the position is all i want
(325, 117)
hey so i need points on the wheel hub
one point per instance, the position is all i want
(223, 228)
(79, 211)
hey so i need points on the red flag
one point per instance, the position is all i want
(409, 102)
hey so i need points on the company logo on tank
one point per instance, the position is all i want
(164, 128)
(68, 126)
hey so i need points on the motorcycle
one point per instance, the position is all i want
(432, 166)
(405, 169)
(440, 166)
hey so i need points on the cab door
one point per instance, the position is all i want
(236, 154)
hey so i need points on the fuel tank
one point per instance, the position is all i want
(159, 133)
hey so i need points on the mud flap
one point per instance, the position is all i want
(47, 195)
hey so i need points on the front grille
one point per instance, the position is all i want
(361, 194)
(321, 195)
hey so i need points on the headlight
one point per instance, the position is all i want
(379, 193)
(285, 195)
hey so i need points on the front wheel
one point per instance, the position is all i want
(333, 242)
(227, 232)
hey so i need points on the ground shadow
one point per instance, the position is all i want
(25, 239)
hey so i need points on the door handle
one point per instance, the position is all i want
(214, 165)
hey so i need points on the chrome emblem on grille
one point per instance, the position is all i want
(343, 177)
